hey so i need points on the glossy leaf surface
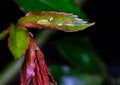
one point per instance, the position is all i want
(18, 40)
(54, 20)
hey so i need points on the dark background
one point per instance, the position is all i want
(104, 34)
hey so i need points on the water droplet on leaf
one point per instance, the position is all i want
(78, 21)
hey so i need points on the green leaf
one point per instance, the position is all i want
(64, 75)
(18, 40)
(50, 5)
(80, 54)
(54, 20)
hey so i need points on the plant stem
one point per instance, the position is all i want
(3, 34)
(43, 36)
(11, 71)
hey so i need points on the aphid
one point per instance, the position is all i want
(60, 24)
(51, 18)
(69, 24)
(43, 22)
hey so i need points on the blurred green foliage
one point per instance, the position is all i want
(51, 5)
(67, 76)
(79, 52)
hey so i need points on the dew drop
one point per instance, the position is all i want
(78, 21)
